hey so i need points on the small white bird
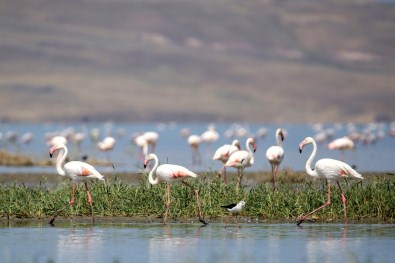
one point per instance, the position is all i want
(234, 209)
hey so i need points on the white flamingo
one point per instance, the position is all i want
(241, 159)
(194, 141)
(224, 152)
(275, 155)
(171, 173)
(77, 171)
(329, 169)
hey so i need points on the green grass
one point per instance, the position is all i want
(373, 199)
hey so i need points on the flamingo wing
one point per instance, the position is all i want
(223, 152)
(239, 159)
(334, 170)
(172, 172)
(81, 171)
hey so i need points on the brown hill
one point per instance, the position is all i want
(186, 60)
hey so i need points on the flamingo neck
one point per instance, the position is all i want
(150, 176)
(248, 146)
(310, 171)
(279, 141)
(60, 160)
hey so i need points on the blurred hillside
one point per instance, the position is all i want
(197, 60)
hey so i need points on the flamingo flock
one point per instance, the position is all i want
(228, 156)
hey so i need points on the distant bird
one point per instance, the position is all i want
(107, 145)
(151, 138)
(241, 159)
(234, 209)
(171, 173)
(331, 170)
(56, 140)
(77, 171)
(342, 144)
(27, 138)
(142, 146)
(224, 152)
(194, 141)
(209, 136)
(275, 155)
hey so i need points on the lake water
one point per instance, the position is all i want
(192, 243)
(172, 148)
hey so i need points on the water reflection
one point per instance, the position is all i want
(174, 242)
(79, 241)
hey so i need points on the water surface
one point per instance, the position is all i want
(192, 243)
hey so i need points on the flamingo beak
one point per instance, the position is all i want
(254, 146)
(51, 151)
(301, 145)
(282, 136)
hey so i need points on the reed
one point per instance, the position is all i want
(372, 199)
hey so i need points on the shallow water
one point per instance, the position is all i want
(192, 243)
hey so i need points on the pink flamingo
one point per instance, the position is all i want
(194, 141)
(209, 137)
(331, 170)
(341, 144)
(224, 152)
(275, 154)
(171, 173)
(107, 145)
(151, 139)
(241, 160)
(77, 171)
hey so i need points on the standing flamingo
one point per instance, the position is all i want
(225, 151)
(241, 159)
(77, 171)
(151, 138)
(171, 173)
(329, 169)
(209, 136)
(194, 141)
(275, 155)
(342, 144)
(106, 145)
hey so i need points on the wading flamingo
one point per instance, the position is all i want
(329, 169)
(241, 160)
(194, 141)
(275, 155)
(77, 171)
(107, 145)
(342, 144)
(234, 209)
(224, 152)
(151, 138)
(171, 173)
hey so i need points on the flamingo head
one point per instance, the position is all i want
(307, 140)
(254, 145)
(148, 158)
(236, 143)
(55, 148)
(281, 135)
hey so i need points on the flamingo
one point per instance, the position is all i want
(234, 209)
(106, 145)
(241, 159)
(342, 144)
(275, 154)
(151, 138)
(194, 141)
(171, 173)
(222, 153)
(142, 145)
(209, 136)
(77, 171)
(331, 170)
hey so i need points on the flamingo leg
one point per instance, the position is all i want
(328, 202)
(198, 203)
(344, 203)
(64, 208)
(241, 174)
(168, 203)
(90, 201)
(274, 170)
(225, 181)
